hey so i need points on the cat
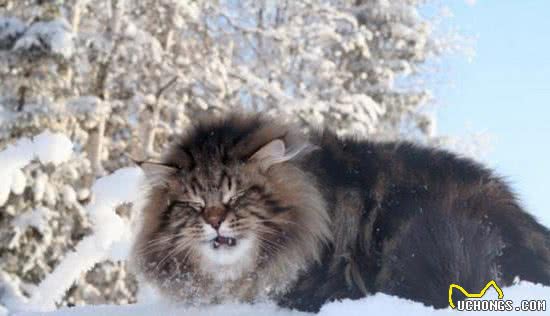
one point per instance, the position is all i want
(242, 208)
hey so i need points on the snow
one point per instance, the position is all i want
(10, 29)
(167, 309)
(18, 155)
(12, 158)
(18, 182)
(52, 148)
(111, 237)
(50, 194)
(52, 37)
(39, 187)
(37, 218)
(48, 147)
(11, 295)
(379, 304)
(69, 195)
(91, 106)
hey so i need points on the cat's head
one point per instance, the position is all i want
(229, 198)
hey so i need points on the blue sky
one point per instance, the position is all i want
(504, 91)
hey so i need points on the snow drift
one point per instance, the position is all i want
(379, 304)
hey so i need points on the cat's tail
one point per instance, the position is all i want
(527, 246)
(434, 251)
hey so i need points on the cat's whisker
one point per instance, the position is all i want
(155, 243)
(281, 221)
(270, 246)
(178, 248)
(270, 241)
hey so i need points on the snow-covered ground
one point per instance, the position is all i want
(379, 304)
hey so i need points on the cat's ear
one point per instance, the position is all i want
(156, 173)
(276, 152)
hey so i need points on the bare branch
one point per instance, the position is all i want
(165, 87)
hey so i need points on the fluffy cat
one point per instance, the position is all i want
(242, 208)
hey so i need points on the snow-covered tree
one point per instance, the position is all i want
(120, 78)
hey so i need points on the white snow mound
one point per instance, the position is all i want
(379, 304)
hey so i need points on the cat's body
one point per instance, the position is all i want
(318, 218)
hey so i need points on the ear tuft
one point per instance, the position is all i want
(156, 173)
(275, 152)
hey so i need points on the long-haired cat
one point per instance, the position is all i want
(242, 208)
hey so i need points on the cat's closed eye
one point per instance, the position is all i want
(235, 198)
(196, 206)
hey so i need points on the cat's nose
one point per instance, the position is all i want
(214, 215)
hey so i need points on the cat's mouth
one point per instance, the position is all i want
(220, 241)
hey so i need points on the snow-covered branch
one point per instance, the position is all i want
(47, 147)
(111, 238)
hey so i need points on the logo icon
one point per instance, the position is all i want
(473, 295)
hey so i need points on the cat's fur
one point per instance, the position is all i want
(317, 218)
